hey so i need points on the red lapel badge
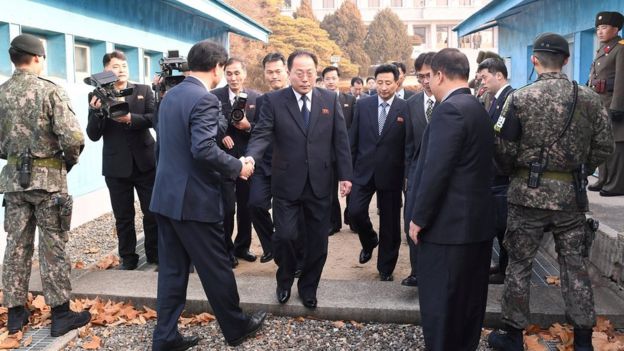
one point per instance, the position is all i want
(400, 120)
(325, 111)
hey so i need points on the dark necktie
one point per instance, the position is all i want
(305, 113)
(429, 110)
(492, 108)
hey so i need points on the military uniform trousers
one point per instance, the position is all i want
(525, 229)
(24, 211)
(611, 172)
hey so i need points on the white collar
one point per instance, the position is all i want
(201, 81)
(389, 102)
(500, 91)
(298, 96)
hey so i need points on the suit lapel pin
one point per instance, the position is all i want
(399, 119)
(140, 97)
(325, 111)
(346, 105)
(252, 106)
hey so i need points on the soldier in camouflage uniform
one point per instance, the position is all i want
(542, 110)
(40, 134)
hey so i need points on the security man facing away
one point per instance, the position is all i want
(607, 79)
(41, 140)
(564, 132)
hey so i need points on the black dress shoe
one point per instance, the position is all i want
(365, 256)
(182, 344)
(255, 323)
(309, 302)
(410, 281)
(282, 295)
(497, 278)
(595, 187)
(266, 257)
(128, 266)
(494, 269)
(386, 277)
(247, 256)
(609, 194)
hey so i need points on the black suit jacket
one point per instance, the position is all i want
(496, 109)
(417, 122)
(190, 164)
(125, 145)
(301, 153)
(264, 165)
(380, 156)
(407, 94)
(347, 102)
(240, 137)
(452, 180)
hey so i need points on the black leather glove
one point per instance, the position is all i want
(69, 166)
(616, 116)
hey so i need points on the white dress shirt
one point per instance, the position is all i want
(308, 101)
(426, 99)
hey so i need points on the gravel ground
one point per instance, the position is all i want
(278, 333)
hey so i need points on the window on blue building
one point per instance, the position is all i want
(82, 61)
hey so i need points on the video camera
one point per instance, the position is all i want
(104, 84)
(238, 108)
(173, 62)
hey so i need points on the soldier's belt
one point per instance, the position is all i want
(50, 162)
(562, 176)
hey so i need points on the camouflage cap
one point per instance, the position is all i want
(610, 18)
(551, 42)
(29, 44)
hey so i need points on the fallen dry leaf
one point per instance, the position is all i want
(339, 324)
(91, 250)
(39, 302)
(300, 319)
(356, 324)
(553, 280)
(108, 262)
(27, 342)
(79, 265)
(94, 344)
(149, 313)
(9, 343)
(603, 325)
(533, 343)
(533, 329)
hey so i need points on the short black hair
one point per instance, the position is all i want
(20, 58)
(111, 55)
(297, 53)
(329, 69)
(319, 80)
(493, 65)
(369, 78)
(273, 57)
(388, 68)
(356, 80)
(423, 59)
(401, 66)
(206, 55)
(550, 59)
(452, 62)
(232, 60)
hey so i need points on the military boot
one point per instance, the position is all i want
(583, 340)
(509, 339)
(64, 319)
(18, 318)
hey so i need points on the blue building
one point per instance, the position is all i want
(520, 21)
(77, 33)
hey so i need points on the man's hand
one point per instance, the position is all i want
(345, 188)
(414, 230)
(124, 119)
(247, 170)
(95, 103)
(243, 124)
(228, 142)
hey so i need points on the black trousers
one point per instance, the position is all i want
(259, 206)
(452, 291)
(389, 205)
(121, 191)
(288, 215)
(183, 242)
(500, 205)
(235, 201)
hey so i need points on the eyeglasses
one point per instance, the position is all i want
(423, 76)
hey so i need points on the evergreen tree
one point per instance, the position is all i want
(387, 39)
(305, 11)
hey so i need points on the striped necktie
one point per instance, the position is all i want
(381, 117)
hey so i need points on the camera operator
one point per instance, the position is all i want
(127, 161)
(236, 193)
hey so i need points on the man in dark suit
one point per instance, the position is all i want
(493, 73)
(357, 88)
(236, 192)
(452, 217)
(377, 139)
(276, 76)
(128, 161)
(331, 77)
(401, 92)
(371, 87)
(187, 205)
(306, 126)
(420, 108)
